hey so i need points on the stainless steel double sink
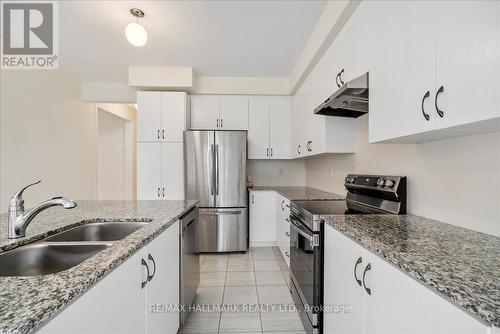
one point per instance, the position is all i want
(65, 249)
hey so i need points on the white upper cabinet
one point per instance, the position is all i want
(435, 70)
(174, 118)
(149, 116)
(161, 116)
(467, 61)
(233, 113)
(269, 128)
(214, 112)
(280, 134)
(204, 112)
(317, 134)
(258, 128)
(401, 79)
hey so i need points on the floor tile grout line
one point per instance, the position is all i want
(258, 299)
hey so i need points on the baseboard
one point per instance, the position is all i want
(263, 243)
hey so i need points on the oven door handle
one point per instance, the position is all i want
(300, 230)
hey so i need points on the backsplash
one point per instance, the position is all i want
(276, 172)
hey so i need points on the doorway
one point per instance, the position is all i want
(115, 151)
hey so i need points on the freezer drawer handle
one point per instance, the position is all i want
(221, 213)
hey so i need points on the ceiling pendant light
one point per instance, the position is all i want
(135, 33)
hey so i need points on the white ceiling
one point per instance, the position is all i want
(216, 38)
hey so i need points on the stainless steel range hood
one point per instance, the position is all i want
(350, 100)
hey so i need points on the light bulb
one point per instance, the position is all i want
(136, 34)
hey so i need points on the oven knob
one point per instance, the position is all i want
(389, 183)
(380, 182)
(347, 180)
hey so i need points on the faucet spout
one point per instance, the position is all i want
(19, 220)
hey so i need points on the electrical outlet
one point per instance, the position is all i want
(282, 172)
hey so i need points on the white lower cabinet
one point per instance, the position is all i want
(381, 298)
(262, 218)
(120, 304)
(269, 221)
(283, 226)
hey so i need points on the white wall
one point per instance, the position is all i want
(47, 133)
(276, 172)
(455, 181)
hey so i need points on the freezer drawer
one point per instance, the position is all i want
(223, 230)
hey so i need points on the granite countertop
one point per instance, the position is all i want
(28, 302)
(301, 193)
(460, 264)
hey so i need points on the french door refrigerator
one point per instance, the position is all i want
(215, 172)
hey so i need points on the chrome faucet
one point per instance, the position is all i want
(19, 221)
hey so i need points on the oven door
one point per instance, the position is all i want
(306, 272)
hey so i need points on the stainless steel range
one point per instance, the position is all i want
(367, 194)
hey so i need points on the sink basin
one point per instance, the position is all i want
(45, 258)
(109, 231)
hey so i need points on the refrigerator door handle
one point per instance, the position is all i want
(212, 185)
(217, 170)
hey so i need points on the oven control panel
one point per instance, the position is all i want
(376, 182)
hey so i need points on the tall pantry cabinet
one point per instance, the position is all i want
(161, 120)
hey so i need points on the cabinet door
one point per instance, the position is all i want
(341, 286)
(280, 129)
(296, 126)
(204, 112)
(149, 171)
(357, 36)
(258, 129)
(399, 304)
(115, 305)
(403, 70)
(173, 171)
(262, 218)
(149, 116)
(233, 113)
(174, 116)
(467, 61)
(163, 288)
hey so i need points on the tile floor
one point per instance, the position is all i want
(258, 277)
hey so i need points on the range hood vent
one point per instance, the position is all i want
(350, 100)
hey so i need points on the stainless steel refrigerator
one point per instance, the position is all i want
(215, 174)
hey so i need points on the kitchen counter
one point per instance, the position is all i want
(301, 193)
(28, 302)
(460, 264)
